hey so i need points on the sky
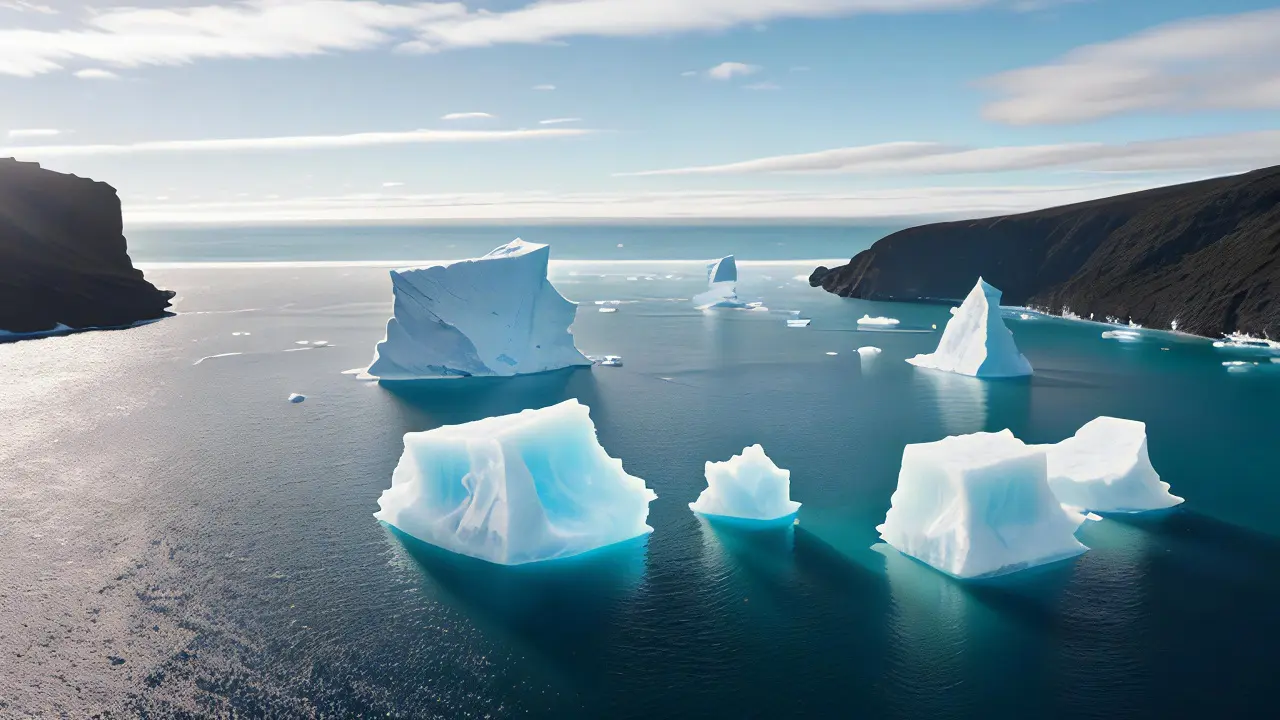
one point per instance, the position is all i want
(329, 110)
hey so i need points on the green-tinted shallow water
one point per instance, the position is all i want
(188, 520)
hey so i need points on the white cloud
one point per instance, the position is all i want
(467, 116)
(304, 142)
(544, 88)
(559, 121)
(96, 74)
(689, 73)
(34, 133)
(730, 70)
(1213, 63)
(762, 86)
(1210, 153)
(930, 202)
(392, 184)
(24, 6)
(125, 36)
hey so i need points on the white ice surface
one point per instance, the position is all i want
(979, 505)
(976, 341)
(1105, 467)
(747, 487)
(495, 315)
(878, 321)
(515, 489)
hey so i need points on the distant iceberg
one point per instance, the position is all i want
(868, 353)
(747, 487)
(722, 286)
(515, 489)
(979, 505)
(976, 341)
(495, 315)
(1105, 467)
(878, 321)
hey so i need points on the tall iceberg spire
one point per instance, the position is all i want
(976, 341)
(494, 315)
(722, 285)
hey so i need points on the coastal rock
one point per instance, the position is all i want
(1202, 254)
(63, 257)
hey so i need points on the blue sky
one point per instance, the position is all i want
(328, 110)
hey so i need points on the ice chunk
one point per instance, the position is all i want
(515, 489)
(296, 398)
(607, 360)
(798, 322)
(976, 341)
(979, 505)
(747, 487)
(1122, 335)
(868, 352)
(722, 286)
(877, 321)
(495, 315)
(1104, 467)
(608, 309)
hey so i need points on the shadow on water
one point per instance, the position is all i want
(762, 552)
(562, 610)
(429, 404)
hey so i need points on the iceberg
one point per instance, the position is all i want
(515, 489)
(1105, 467)
(1122, 335)
(492, 316)
(976, 341)
(747, 487)
(878, 321)
(868, 353)
(977, 506)
(722, 286)
(297, 398)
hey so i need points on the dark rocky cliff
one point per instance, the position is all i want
(63, 257)
(1203, 253)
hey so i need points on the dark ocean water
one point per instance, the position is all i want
(178, 540)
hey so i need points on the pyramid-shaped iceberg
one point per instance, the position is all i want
(976, 341)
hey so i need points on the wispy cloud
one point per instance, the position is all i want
(689, 73)
(24, 6)
(96, 74)
(762, 86)
(392, 184)
(559, 121)
(178, 34)
(34, 133)
(302, 142)
(730, 70)
(1211, 153)
(1223, 62)
(544, 88)
(467, 116)
(907, 202)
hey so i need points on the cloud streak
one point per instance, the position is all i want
(34, 133)
(467, 116)
(730, 70)
(1229, 62)
(133, 37)
(913, 202)
(559, 121)
(1210, 153)
(301, 142)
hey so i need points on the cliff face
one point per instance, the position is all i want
(63, 257)
(1204, 254)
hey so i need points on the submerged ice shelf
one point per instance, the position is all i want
(516, 489)
(747, 487)
(979, 505)
(976, 341)
(495, 315)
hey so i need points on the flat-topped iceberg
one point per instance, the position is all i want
(515, 489)
(976, 341)
(494, 315)
(722, 286)
(1105, 467)
(979, 505)
(747, 487)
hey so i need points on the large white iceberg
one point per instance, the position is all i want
(976, 341)
(515, 489)
(747, 487)
(1105, 467)
(495, 315)
(979, 505)
(722, 286)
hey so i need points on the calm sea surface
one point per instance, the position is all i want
(178, 540)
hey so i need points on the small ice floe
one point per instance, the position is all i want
(296, 397)
(301, 342)
(833, 353)
(608, 309)
(606, 360)
(1122, 335)
(214, 357)
(867, 352)
(1245, 341)
(608, 302)
(238, 334)
(632, 278)
(1092, 516)
(1025, 316)
(877, 321)
(798, 322)
(759, 308)
(361, 373)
